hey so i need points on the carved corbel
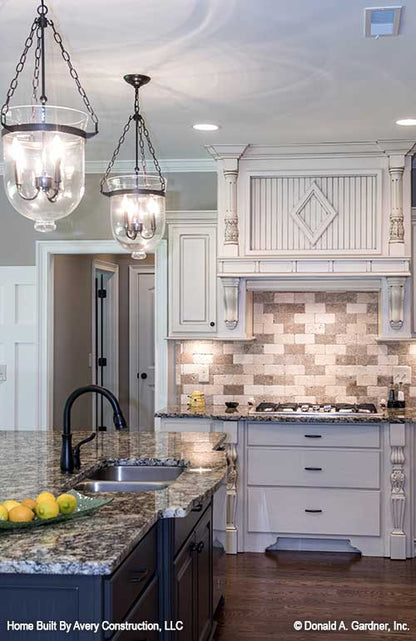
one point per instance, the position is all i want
(396, 288)
(231, 216)
(398, 495)
(396, 200)
(231, 289)
(232, 483)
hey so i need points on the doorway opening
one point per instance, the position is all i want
(104, 334)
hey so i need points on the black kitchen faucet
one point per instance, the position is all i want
(70, 457)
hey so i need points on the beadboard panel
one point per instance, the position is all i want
(314, 213)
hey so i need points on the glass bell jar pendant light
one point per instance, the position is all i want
(43, 145)
(137, 200)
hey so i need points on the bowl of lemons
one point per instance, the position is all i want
(47, 509)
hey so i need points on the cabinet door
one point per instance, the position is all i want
(203, 557)
(192, 279)
(146, 609)
(184, 608)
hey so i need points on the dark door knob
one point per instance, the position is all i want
(143, 375)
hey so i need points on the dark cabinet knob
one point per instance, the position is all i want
(143, 375)
(212, 324)
(197, 547)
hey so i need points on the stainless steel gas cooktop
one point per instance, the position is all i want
(309, 408)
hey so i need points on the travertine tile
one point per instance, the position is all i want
(309, 345)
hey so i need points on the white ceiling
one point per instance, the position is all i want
(267, 71)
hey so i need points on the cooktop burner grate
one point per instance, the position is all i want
(268, 407)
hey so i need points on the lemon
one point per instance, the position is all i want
(9, 505)
(21, 514)
(4, 514)
(67, 503)
(47, 509)
(29, 503)
(45, 496)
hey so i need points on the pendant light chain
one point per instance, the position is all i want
(19, 68)
(142, 138)
(35, 82)
(116, 152)
(38, 29)
(74, 74)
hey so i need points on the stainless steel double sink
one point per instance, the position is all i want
(131, 478)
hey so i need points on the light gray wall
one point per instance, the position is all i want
(91, 220)
(72, 336)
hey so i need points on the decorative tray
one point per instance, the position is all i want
(86, 505)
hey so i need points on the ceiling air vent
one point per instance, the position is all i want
(382, 21)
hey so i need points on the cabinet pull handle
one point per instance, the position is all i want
(138, 579)
(313, 511)
(313, 469)
(197, 547)
(212, 324)
(200, 547)
(197, 508)
(313, 435)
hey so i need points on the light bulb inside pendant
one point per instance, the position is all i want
(137, 218)
(36, 179)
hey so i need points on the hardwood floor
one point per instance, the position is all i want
(267, 593)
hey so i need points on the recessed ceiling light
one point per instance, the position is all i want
(406, 122)
(205, 126)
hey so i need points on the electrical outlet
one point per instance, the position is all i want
(204, 374)
(402, 374)
(3, 373)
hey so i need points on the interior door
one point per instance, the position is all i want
(142, 396)
(105, 349)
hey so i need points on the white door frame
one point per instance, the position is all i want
(113, 298)
(134, 328)
(45, 251)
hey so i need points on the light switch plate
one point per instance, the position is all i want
(402, 374)
(3, 372)
(204, 374)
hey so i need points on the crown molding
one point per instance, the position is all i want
(168, 166)
(365, 148)
(225, 152)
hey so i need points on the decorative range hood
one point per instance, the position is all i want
(333, 216)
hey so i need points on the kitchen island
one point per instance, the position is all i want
(104, 565)
(309, 481)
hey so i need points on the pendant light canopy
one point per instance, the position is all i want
(43, 145)
(137, 200)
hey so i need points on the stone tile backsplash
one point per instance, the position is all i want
(308, 347)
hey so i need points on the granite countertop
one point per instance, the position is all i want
(243, 413)
(96, 545)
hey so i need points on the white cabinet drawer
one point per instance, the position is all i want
(314, 468)
(314, 434)
(330, 512)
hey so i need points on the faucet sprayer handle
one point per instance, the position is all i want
(119, 421)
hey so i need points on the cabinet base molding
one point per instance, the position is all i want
(313, 545)
(232, 538)
(364, 545)
(398, 546)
